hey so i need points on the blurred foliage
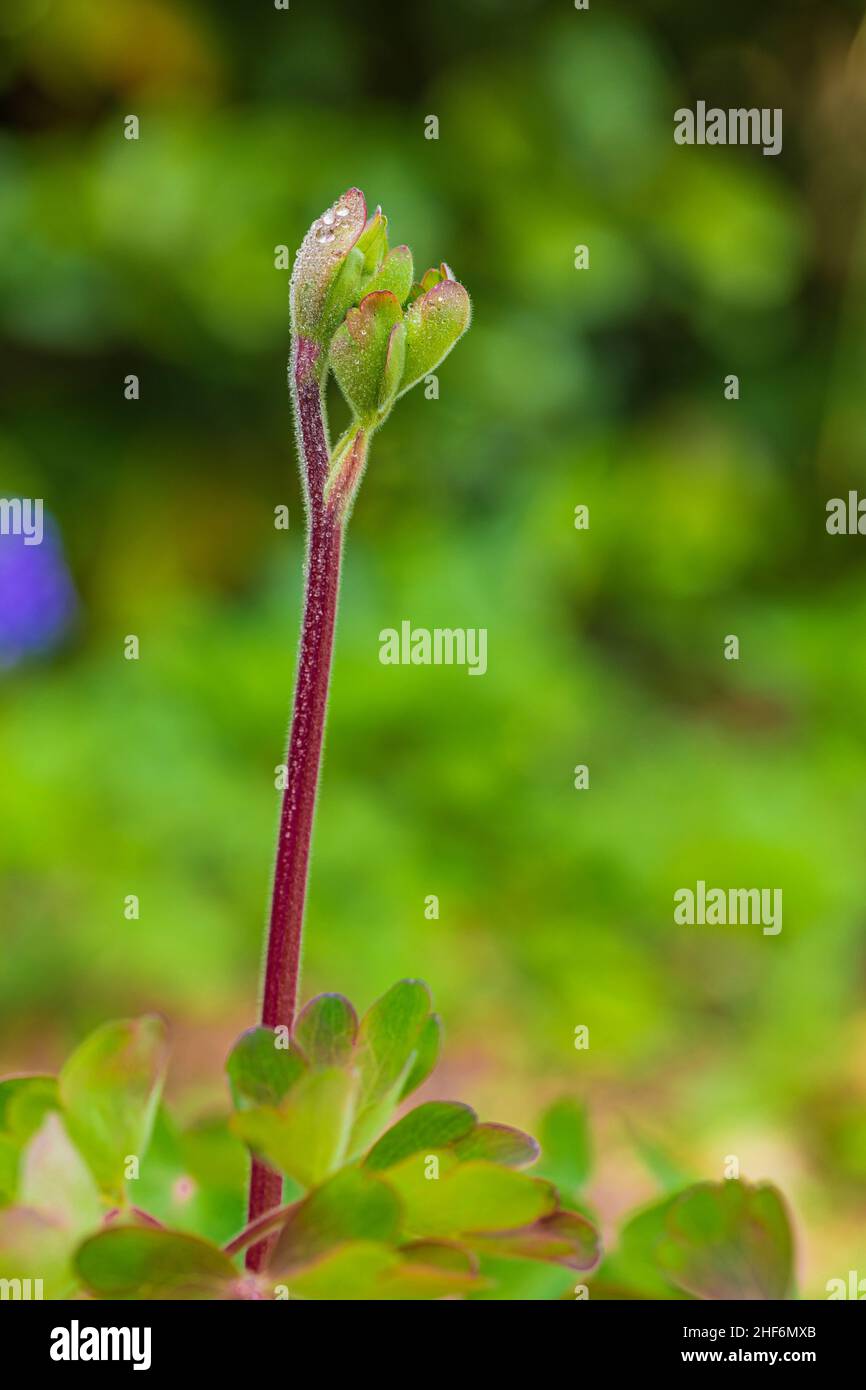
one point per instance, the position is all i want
(438, 1207)
(602, 387)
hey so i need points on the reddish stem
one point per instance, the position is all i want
(263, 1226)
(324, 547)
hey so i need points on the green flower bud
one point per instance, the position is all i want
(348, 293)
(394, 274)
(434, 322)
(359, 354)
(320, 260)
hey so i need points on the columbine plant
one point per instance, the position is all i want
(102, 1195)
(356, 311)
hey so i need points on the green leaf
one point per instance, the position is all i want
(394, 274)
(440, 1254)
(348, 1273)
(385, 1055)
(562, 1238)
(351, 1206)
(33, 1247)
(359, 351)
(427, 1052)
(365, 1271)
(9, 1159)
(346, 289)
(393, 371)
(318, 262)
(466, 1197)
(260, 1072)
(143, 1262)
(373, 242)
(306, 1136)
(56, 1182)
(326, 1030)
(434, 323)
(195, 1176)
(24, 1103)
(729, 1240)
(110, 1089)
(410, 1280)
(566, 1156)
(433, 1125)
(631, 1271)
(498, 1144)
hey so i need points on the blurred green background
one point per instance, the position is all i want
(602, 387)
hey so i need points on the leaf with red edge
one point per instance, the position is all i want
(563, 1238)
(322, 253)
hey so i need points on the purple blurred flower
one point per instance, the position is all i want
(37, 597)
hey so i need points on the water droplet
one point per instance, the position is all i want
(342, 211)
(325, 236)
(328, 218)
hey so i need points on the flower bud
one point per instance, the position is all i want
(434, 322)
(348, 293)
(359, 354)
(321, 259)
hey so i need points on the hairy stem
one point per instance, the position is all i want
(264, 1225)
(328, 506)
(324, 546)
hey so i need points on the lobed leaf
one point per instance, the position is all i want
(563, 1238)
(728, 1240)
(498, 1144)
(109, 1089)
(631, 1271)
(326, 1030)
(306, 1137)
(353, 1205)
(433, 1125)
(466, 1197)
(386, 1053)
(428, 1047)
(347, 1273)
(367, 1271)
(143, 1262)
(260, 1072)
